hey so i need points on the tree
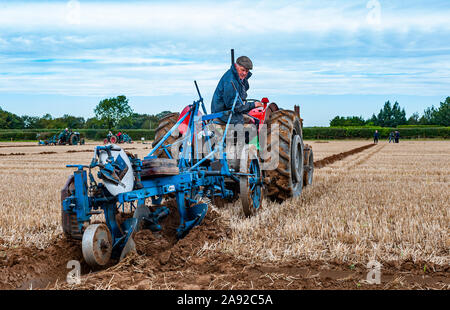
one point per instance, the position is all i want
(9, 120)
(414, 119)
(398, 115)
(428, 117)
(93, 123)
(68, 121)
(162, 114)
(339, 121)
(30, 122)
(390, 116)
(384, 117)
(139, 121)
(112, 110)
(442, 115)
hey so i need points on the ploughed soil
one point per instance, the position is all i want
(333, 158)
(162, 262)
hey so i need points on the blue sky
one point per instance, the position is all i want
(330, 57)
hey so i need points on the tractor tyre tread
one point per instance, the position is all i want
(165, 124)
(279, 184)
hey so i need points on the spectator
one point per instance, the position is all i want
(391, 137)
(397, 136)
(376, 135)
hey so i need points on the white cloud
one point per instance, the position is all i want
(146, 49)
(205, 18)
(156, 77)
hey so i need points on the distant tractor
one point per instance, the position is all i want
(67, 136)
(118, 138)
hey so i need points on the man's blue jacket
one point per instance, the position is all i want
(224, 96)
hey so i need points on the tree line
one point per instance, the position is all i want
(116, 113)
(393, 116)
(110, 113)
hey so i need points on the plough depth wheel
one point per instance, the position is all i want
(251, 192)
(97, 245)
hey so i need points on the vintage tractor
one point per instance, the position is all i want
(190, 166)
(67, 136)
(118, 138)
(124, 138)
(296, 162)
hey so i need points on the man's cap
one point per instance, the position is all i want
(245, 62)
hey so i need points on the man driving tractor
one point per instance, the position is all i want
(223, 97)
(223, 100)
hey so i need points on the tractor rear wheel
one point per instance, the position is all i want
(113, 139)
(283, 179)
(165, 124)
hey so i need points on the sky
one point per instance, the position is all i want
(332, 58)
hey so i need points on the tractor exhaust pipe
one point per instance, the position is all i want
(232, 56)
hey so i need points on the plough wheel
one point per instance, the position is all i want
(251, 191)
(165, 124)
(113, 139)
(285, 178)
(97, 245)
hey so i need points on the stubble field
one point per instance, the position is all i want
(388, 203)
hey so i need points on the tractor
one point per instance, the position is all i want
(296, 162)
(67, 136)
(193, 163)
(120, 137)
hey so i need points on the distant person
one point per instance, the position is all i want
(376, 135)
(397, 136)
(391, 137)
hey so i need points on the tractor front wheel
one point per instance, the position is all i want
(251, 190)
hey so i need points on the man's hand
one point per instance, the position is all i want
(258, 104)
